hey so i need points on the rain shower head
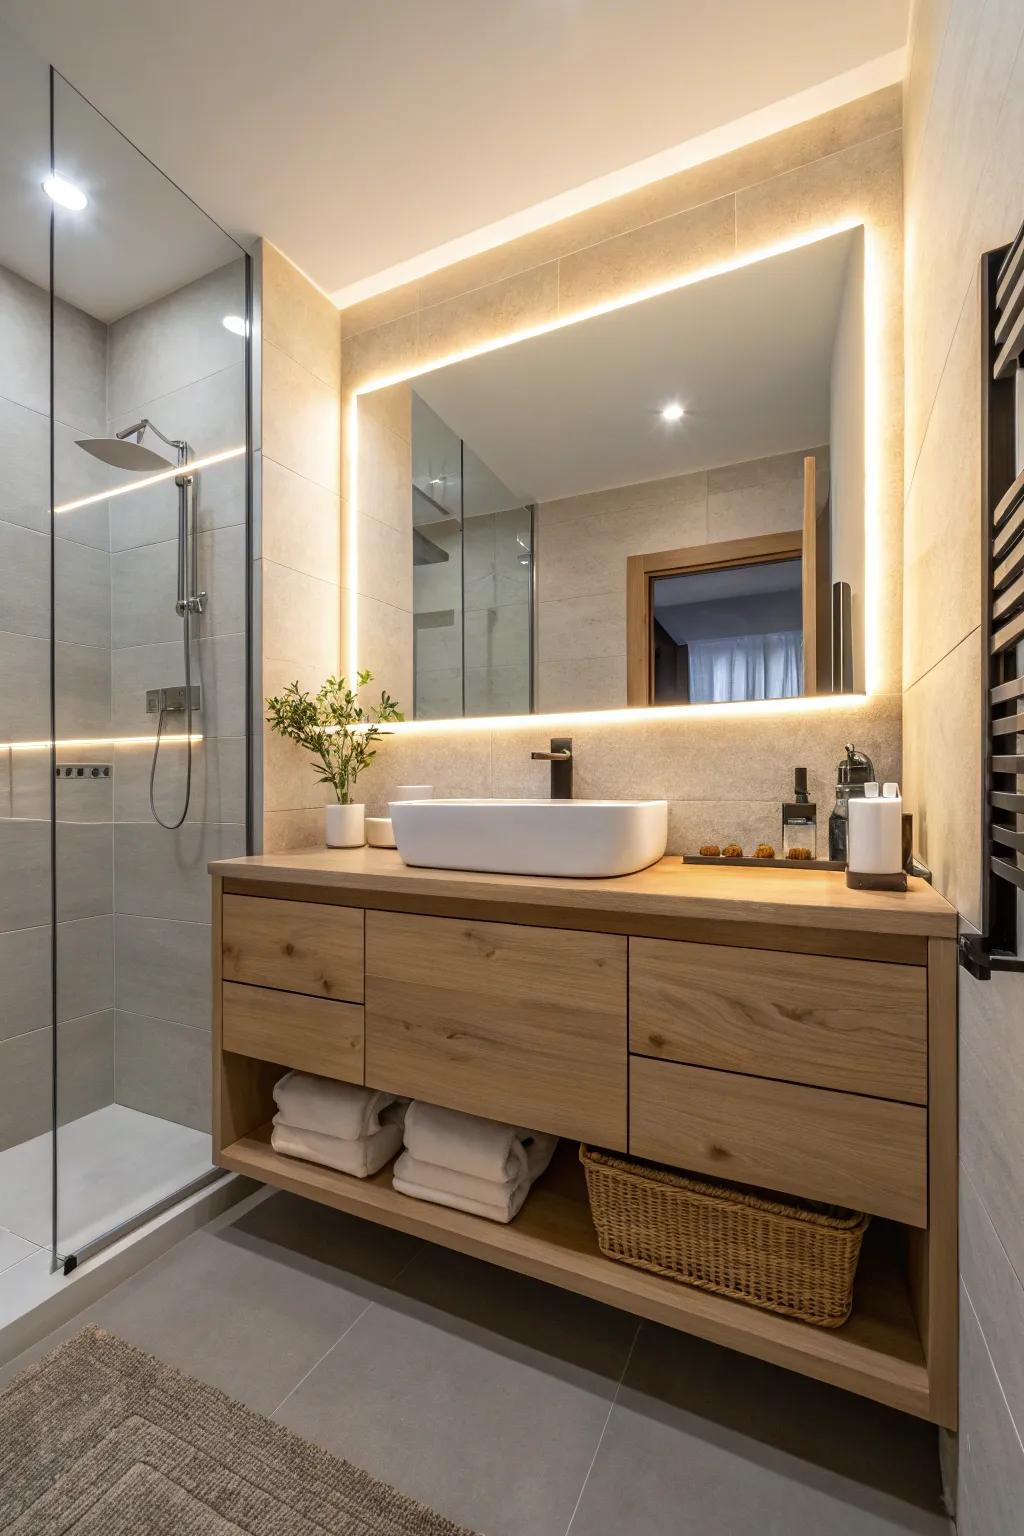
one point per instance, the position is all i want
(118, 452)
(123, 454)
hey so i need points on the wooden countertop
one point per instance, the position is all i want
(797, 898)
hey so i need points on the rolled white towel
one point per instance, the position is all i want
(486, 1149)
(360, 1157)
(502, 1209)
(467, 1186)
(331, 1108)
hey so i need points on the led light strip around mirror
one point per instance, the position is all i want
(873, 541)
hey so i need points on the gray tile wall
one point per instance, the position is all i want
(84, 809)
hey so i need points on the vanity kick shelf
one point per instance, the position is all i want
(785, 1033)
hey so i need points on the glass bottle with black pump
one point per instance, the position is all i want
(855, 770)
(799, 820)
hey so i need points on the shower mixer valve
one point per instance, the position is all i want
(171, 701)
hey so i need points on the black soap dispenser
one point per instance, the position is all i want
(855, 770)
(799, 821)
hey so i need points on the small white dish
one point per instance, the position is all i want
(379, 832)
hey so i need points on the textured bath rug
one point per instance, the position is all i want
(100, 1439)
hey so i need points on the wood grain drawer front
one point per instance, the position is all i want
(298, 946)
(308, 1033)
(868, 1154)
(850, 1024)
(520, 1024)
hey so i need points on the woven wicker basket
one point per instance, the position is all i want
(792, 1257)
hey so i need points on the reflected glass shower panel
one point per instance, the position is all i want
(437, 566)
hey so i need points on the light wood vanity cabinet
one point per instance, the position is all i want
(518, 1023)
(768, 1028)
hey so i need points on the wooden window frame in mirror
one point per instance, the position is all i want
(643, 570)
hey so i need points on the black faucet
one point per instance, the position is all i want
(560, 758)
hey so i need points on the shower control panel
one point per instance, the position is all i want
(171, 701)
(82, 771)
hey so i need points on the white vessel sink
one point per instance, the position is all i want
(573, 838)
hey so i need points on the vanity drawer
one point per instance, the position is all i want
(520, 1024)
(297, 946)
(855, 1025)
(308, 1033)
(841, 1148)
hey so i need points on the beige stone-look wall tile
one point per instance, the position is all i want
(514, 304)
(388, 349)
(942, 772)
(300, 320)
(991, 1124)
(385, 562)
(757, 497)
(390, 408)
(384, 471)
(656, 253)
(941, 519)
(292, 829)
(384, 647)
(456, 765)
(381, 309)
(301, 420)
(860, 183)
(301, 617)
(694, 823)
(301, 523)
(597, 682)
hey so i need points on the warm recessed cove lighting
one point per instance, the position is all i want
(235, 324)
(64, 192)
(672, 412)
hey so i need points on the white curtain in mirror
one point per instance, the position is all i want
(746, 667)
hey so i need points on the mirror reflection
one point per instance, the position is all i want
(663, 504)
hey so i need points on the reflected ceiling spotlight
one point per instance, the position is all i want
(672, 412)
(64, 192)
(235, 324)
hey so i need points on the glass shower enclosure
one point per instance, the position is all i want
(124, 674)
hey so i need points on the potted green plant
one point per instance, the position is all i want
(340, 735)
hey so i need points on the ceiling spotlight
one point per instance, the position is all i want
(65, 192)
(235, 324)
(673, 412)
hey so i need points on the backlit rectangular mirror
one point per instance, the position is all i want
(661, 504)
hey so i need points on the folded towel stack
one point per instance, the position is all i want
(471, 1164)
(356, 1130)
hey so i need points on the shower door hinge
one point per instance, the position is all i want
(172, 700)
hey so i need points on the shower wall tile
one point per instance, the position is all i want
(221, 558)
(175, 341)
(79, 355)
(82, 594)
(85, 1078)
(24, 581)
(83, 690)
(143, 590)
(24, 874)
(24, 687)
(218, 780)
(160, 875)
(24, 982)
(220, 668)
(25, 454)
(85, 967)
(210, 415)
(163, 1069)
(85, 871)
(163, 969)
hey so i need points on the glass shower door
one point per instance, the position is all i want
(150, 563)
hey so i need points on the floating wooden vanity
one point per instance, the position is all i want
(770, 1027)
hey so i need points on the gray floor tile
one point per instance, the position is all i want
(480, 1392)
(253, 1307)
(705, 1442)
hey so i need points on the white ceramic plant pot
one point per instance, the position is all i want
(344, 826)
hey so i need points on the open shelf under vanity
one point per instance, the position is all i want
(877, 1352)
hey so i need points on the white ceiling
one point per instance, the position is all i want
(748, 354)
(360, 135)
(138, 238)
